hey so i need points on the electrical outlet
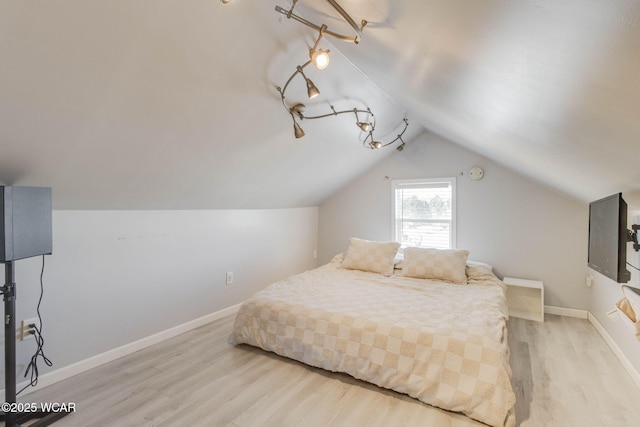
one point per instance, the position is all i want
(23, 331)
(229, 277)
(589, 281)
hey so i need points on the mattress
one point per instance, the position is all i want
(441, 343)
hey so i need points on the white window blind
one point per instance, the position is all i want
(424, 212)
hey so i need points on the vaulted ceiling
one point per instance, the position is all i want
(160, 104)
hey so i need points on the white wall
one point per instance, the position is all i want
(523, 228)
(603, 297)
(119, 276)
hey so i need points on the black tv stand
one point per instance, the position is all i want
(14, 419)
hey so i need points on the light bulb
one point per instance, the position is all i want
(320, 58)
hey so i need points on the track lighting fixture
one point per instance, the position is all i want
(320, 59)
(355, 39)
(297, 110)
(364, 126)
(312, 90)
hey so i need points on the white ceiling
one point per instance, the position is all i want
(160, 104)
(548, 88)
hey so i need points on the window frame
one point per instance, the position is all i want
(427, 181)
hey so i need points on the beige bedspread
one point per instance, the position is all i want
(443, 344)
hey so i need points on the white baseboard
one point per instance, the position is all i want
(569, 312)
(633, 373)
(108, 356)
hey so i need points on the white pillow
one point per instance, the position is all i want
(398, 261)
(448, 265)
(471, 263)
(337, 259)
(366, 255)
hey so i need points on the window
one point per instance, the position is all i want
(424, 212)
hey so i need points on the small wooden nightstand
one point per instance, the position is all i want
(525, 298)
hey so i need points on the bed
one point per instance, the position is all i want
(431, 332)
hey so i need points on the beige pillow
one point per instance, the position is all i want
(439, 264)
(365, 255)
(337, 259)
(479, 270)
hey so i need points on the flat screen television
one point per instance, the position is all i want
(25, 222)
(608, 237)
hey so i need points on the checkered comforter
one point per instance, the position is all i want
(443, 344)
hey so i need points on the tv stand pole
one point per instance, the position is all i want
(9, 294)
(12, 418)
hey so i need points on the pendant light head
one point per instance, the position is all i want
(312, 90)
(297, 130)
(320, 58)
(298, 109)
(376, 144)
(364, 126)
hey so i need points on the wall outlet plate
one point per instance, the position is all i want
(229, 277)
(589, 281)
(23, 330)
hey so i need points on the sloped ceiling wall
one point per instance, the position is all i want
(547, 88)
(159, 104)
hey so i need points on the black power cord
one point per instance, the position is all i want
(633, 266)
(37, 332)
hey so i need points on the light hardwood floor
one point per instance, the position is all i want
(564, 375)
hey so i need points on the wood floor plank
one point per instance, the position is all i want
(562, 371)
(564, 375)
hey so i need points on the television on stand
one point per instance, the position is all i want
(25, 222)
(25, 232)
